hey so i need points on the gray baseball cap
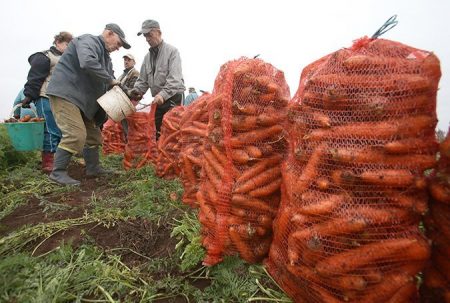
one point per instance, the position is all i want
(116, 29)
(147, 26)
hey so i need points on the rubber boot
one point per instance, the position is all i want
(59, 173)
(92, 160)
(47, 162)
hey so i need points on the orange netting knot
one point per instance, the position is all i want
(360, 43)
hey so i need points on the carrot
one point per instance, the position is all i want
(205, 208)
(440, 192)
(322, 207)
(253, 151)
(194, 131)
(281, 223)
(220, 156)
(269, 119)
(243, 122)
(410, 126)
(251, 203)
(323, 183)
(248, 108)
(265, 177)
(271, 133)
(344, 177)
(403, 249)
(211, 191)
(389, 83)
(376, 64)
(243, 248)
(418, 204)
(240, 156)
(267, 189)
(384, 290)
(377, 216)
(370, 156)
(194, 160)
(212, 176)
(188, 171)
(310, 171)
(258, 168)
(220, 171)
(388, 177)
(332, 227)
(319, 119)
(410, 145)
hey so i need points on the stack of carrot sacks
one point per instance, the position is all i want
(437, 224)
(169, 144)
(193, 126)
(113, 138)
(140, 148)
(241, 177)
(361, 137)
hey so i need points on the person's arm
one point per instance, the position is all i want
(89, 57)
(174, 78)
(39, 70)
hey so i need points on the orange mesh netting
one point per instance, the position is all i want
(361, 135)
(169, 144)
(141, 146)
(113, 138)
(193, 132)
(239, 192)
(436, 286)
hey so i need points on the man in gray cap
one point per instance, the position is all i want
(83, 74)
(161, 72)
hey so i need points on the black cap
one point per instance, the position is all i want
(116, 29)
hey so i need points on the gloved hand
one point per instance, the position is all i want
(135, 94)
(26, 102)
(113, 83)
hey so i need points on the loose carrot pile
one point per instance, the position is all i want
(193, 132)
(26, 118)
(169, 144)
(141, 145)
(437, 274)
(113, 138)
(241, 176)
(361, 136)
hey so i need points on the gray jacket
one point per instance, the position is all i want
(83, 75)
(167, 80)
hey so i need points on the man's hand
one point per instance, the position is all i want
(26, 102)
(113, 83)
(158, 100)
(135, 94)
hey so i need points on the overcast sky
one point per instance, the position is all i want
(287, 34)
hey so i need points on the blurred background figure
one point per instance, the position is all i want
(42, 65)
(190, 97)
(127, 80)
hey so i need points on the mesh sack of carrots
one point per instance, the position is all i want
(239, 192)
(361, 135)
(169, 144)
(193, 126)
(141, 146)
(436, 286)
(113, 138)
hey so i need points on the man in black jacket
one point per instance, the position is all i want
(83, 74)
(42, 65)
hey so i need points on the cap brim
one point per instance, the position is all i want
(144, 31)
(125, 44)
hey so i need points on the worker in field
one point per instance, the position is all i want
(190, 97)
(84, 74)
(127, 81)
(42, 65)
(160, 72)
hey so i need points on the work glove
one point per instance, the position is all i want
(26, 102)
(135, 94)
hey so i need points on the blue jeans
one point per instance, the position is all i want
(52, 134)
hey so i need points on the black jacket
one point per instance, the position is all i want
(39, 71)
